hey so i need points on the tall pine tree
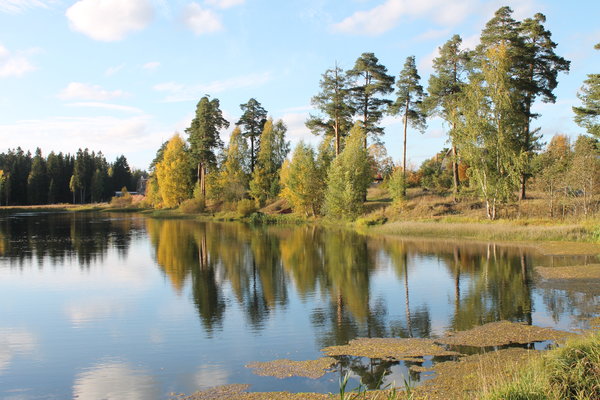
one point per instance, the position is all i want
(37, 182)
(409, 103)
(445, 86)
(370, 83)
(539, 79)
(588, 114)
(204, 137)
(252, 123)
(334, 103)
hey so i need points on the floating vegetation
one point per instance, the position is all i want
(502, 333)
(390, 349)
(238, 392)
(470, 375)
(313, 369)
(217, 393)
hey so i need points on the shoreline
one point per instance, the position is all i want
(523, 230)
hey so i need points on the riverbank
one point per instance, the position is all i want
(384, 218)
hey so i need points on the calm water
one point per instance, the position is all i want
(118, 306)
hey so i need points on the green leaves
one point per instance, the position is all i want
(588, 115)
(370, 83)
(349, 177)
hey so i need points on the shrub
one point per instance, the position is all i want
(245, 207)
(395, 185)
(122, 202)
(192, 206)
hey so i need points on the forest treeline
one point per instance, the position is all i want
(485, 97)
(84, 177)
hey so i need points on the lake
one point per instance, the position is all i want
(120, 306)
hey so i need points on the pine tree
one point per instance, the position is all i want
(370, 83)
(37, 181)
(121, 174)
(445, 85)
(234, 176)
(539, 79)
(334, 103)
(252, 122)
(173, 173)
(273, 151)
(349, 178)
(2, 185)
(409, 102)
(302, 182)
(204, 137)
(588, 115)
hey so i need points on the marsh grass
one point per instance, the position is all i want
(498, 230)
(571, 372)
(389, 392)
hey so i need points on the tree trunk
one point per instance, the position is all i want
(336, 128)
(522, 194)
(202, 179)
(404, 150)
(455, 177)
(252, 153)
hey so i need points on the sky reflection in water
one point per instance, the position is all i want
(119, 306)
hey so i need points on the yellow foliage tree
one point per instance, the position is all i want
(174, 174)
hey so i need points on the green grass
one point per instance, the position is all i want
(570, 372)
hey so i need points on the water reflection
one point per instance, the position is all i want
(60, 237)
(489, 283)
(15, 343)
(114, 381)
(259, 293)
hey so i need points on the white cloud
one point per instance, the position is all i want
(110, 71)
(109, 20)
(13, 64)
(201, 20)
(297, 130)
(112, 381)
(106, 106)
(84, 91)
(225, 3)
(151, 66)
(107, 133)
(179, 92)
(387, 15)
(17, 6)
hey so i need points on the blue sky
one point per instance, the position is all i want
(122, 76)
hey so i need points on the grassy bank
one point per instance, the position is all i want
(568, 372)
(421, 214)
